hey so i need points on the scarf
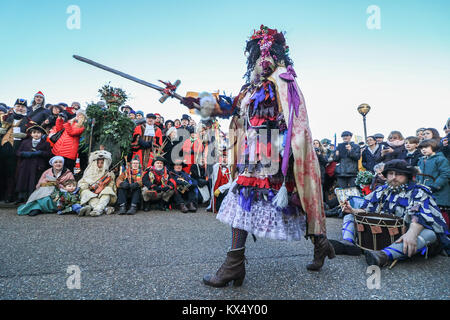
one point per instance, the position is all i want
(374, 150)
(149, 131)
(35, 142)
(396, 143)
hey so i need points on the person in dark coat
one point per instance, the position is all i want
(379, 137)
(371, 154)
(347, 156)
(52, 115)
(170, 142)
(37, 111)
(445, 141)
(33, 155)
(413, 153)
(435, 174)
(14, 125)
(198, 175)
(395, 148)
(185, 197)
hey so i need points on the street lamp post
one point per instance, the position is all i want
(364, 109)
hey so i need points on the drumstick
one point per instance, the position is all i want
(393, 264)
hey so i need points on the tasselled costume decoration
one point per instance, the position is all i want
(276, 191)
(271, 99)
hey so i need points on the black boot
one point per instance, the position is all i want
(123, 209)
(322, 249)
(377, 258)
(233, 269)
(345, 248)
(132, 210)
(147, 206)
(183, 208)
(191, 207)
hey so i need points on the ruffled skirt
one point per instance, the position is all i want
(263, 219)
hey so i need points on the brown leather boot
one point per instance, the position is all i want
(183, 208)
(233, 269)
(192, 207)
(322, 249)
(377, 258)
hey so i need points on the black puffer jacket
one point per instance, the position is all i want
(347, 160)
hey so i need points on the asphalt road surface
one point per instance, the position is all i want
(163, 255)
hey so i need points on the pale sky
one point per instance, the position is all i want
(402, 69)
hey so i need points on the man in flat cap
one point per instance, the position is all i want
(347, 156)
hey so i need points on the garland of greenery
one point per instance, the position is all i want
(112, 129)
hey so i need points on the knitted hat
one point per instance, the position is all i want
(39, 94)
(140, 112)
(56, 158)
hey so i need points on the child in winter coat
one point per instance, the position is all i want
(435, 174)
(62, 201)
(68, 199)
(413, 154)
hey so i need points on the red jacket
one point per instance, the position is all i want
(67, 144)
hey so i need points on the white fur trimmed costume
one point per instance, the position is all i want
(97, 204)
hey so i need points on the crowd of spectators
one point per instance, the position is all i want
(40, 163)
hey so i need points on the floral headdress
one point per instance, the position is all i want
(267, 37)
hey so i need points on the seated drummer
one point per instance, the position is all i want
(402, 197)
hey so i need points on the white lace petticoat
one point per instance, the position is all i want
(263, 220)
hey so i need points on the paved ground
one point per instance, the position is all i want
(163, 255)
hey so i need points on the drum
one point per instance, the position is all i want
(377, 231)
